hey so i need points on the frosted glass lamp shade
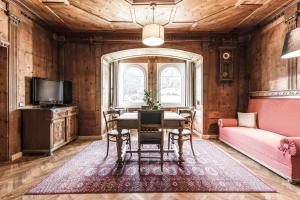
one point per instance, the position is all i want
(153, 35)
(291, 47)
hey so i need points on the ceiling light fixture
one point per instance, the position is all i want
(153, 34)
(291, 47)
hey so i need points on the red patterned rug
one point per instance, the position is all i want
(212, 170)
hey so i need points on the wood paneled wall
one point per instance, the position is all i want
(83, 64)
(82, 67)
(267, 70)
(32, 52)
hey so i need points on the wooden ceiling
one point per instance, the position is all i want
(131, 15)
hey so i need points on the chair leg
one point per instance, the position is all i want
(168, 142)
(191, 141)
(107, 146)
(129, 141)
(139, 155)
(161, 157)
(173, 140)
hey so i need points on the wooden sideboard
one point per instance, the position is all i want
(47, 129)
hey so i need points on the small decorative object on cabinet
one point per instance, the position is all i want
(47, 129)
(226, 63)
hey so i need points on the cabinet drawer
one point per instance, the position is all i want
(59, 114)
(72, 112)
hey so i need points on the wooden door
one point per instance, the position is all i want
(58, 131)
(4, 140)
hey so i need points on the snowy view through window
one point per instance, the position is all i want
(170, 86)
(133, 86)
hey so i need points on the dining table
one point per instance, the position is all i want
(129, 120)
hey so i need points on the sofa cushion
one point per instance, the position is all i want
(264, 142)
(247, 119)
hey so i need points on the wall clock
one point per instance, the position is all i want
(226, 55)
(226, 62)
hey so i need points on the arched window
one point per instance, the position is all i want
(171, 84)
(132, 84)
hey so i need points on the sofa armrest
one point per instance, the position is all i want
(290, 145)
(229, 122)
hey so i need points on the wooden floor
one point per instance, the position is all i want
(16, 178)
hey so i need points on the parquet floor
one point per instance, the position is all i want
(16, 178)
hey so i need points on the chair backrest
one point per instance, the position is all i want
(121, 109)
(150, 123)
(150, 119)
(179, 109)
(190, 117)
(110, 117)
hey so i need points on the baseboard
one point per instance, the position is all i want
(207, 137)
(262, 163)
(16, 156)
(90, 137)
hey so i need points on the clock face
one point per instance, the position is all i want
(225, 74)
(226, 55)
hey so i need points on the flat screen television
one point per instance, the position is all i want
(48, 92)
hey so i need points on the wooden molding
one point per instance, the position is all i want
(3, 6)
(207, 137)
(278, 14)
(92, 137)
(208, 38)
(30, 14)
(273, 17)
(3, 41)
(13, 19)
(279, 93)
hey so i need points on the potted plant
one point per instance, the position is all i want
(150, 100)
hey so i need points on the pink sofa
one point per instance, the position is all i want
(276, 142)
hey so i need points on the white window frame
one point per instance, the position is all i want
(125, 66)
(181, 67)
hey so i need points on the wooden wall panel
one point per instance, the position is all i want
(220, 100)
(36, 56)
(267, 70)
(32, 52)
(82, 67)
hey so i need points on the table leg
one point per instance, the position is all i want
(180, 146)
(119, 144)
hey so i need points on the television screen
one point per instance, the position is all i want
(67, 92)
(46, 91)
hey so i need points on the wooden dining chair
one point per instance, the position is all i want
(110, 118)
(187, 131)
(150, 131)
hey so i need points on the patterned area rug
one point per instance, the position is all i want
(212, 170)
